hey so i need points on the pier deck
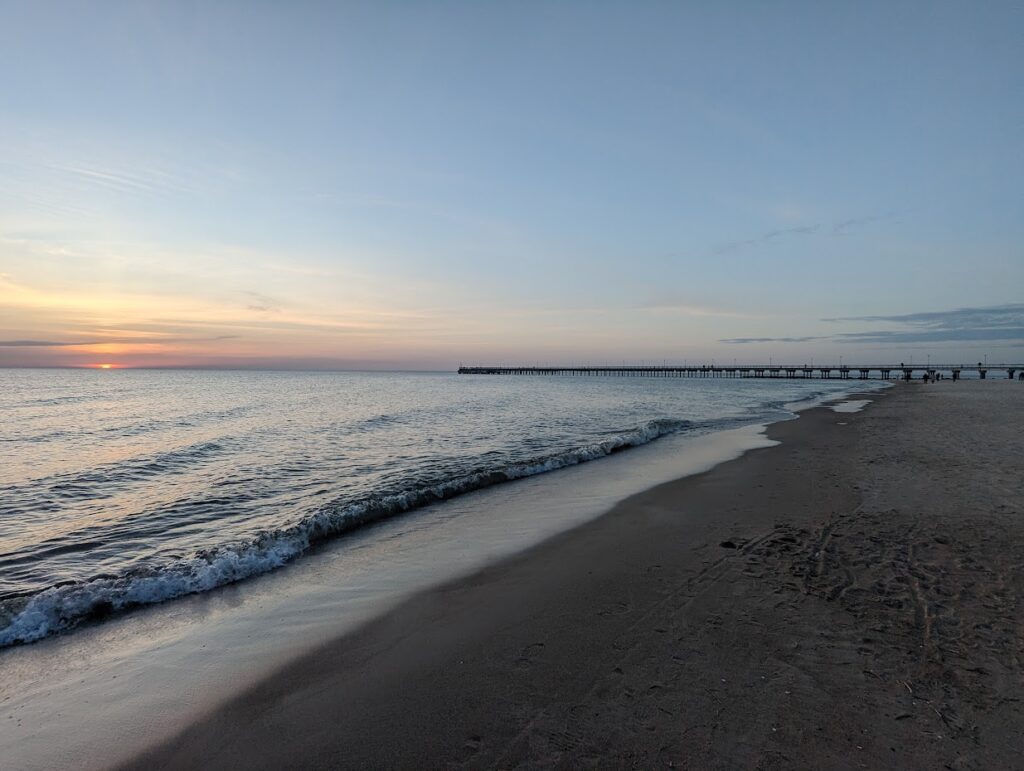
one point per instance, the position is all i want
(793, 371)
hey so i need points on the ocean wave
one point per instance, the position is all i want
(51, 401)
(102, 480)
(26, 619)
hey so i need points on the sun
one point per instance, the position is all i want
(105, 366)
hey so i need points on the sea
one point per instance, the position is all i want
(123, 488)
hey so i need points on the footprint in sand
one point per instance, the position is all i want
(616, 609)
(473, 745)
(529, 655)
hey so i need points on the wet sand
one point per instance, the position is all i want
(851, 598)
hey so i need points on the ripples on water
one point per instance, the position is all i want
(126, 487)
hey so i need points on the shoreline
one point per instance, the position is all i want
(846, 599)
(429, 608)
(109, 690)
(64, 607)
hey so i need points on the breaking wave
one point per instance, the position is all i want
(29, 618)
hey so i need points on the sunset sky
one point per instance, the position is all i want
(415, 185)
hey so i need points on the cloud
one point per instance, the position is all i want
(770, 339)
(34, 343)
(993, 323)
(842, 227)
(263, 304)
(838, 228)
(669, 306)
(732, 246)
(1009, 315)
(934, 336)
(110, 341)
(113, 179)
(997, 322)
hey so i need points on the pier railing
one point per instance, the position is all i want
(900, 371)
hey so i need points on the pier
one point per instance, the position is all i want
(899, 371)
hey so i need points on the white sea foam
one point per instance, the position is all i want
(851, 405)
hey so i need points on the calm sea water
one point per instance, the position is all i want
(121, 488)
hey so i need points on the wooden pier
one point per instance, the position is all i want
(782, 371)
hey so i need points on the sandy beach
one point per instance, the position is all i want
(850, 598)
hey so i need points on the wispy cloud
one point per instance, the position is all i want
(999, 322)
(856, 222)
(993, 323)
(1009, 315)
(837, 229)
(770, 339)
(111, 341)
(934, 336)
(116, 179)
(261, 303)
(771, 235)
(690, 309)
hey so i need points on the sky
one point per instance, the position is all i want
(422, 184)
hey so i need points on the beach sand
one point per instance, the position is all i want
(849, 599)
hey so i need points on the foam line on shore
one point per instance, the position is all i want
(336, 590)
(65, 606)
